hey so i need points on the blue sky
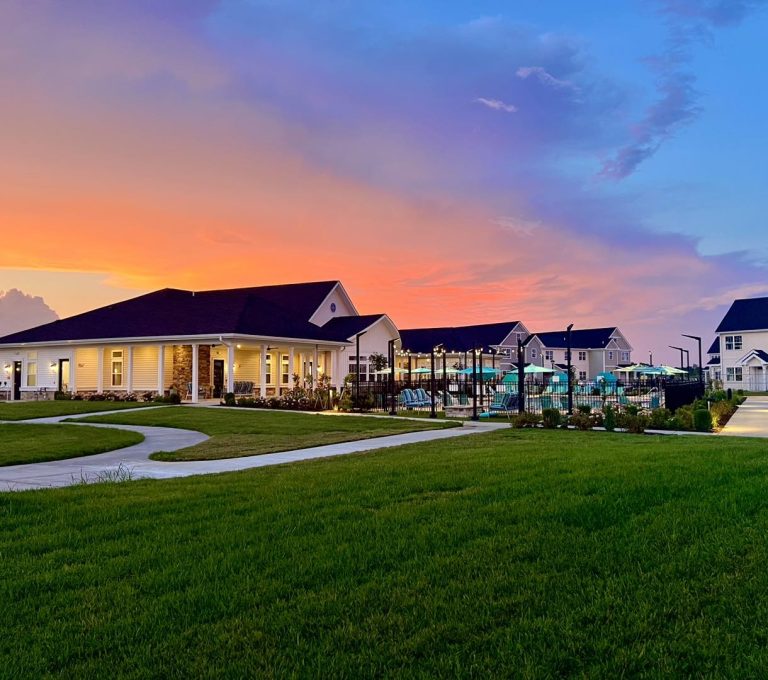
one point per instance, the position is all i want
(452, 162)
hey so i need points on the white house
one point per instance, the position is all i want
(712, 367)
(743, 344)
(204, 343)
(593, 350)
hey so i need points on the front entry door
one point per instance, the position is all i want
(63, 375)
(218, 378)
(16, 380)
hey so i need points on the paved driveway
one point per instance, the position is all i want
(750, 419)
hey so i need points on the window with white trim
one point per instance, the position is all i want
(269, 369)
(582, 356)
(549, 355)
(625, 356)
(533, 352)
(733, 342)
(32, 369)
(610, 355)
(285, 370)
(116, 369)
(582, 375)
(734, 374)
(363, 367)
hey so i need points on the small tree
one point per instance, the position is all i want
(377, 361)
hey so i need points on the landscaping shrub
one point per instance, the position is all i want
(721, 412)
(586, 409)
(609, 419)
(229, 399)
(550, 418)
(659, 419)
(62, 396)
(684, 416)
(702, 420)
(581, 421)
(636, 424)
(521, 420)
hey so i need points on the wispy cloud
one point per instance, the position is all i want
(497, 105)
(544, 77)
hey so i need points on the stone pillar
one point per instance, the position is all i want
(160, 369)
(195, 373)
(204, 366)
(182, 367)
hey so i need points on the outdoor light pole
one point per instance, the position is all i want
(480, 378)
(392, 389)
(698, 340)
(520, 376)
(568, 361)
(682, 366)
(474, 384)
(432, 413)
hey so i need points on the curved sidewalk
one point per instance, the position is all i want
(750, 419)
(135, 459)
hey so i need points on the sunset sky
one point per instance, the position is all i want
(594, 162)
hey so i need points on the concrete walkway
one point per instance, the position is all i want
(135, 459)
(750, 419)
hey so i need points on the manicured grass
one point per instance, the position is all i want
(513, 554)
(23, 443)
(249, 432)
(45, 409)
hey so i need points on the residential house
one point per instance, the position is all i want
(743, 339)
(203, 343)
(593, 350)
(712, 367)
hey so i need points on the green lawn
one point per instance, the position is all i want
(249, 432)
(44, 409)
(513, 554)
(22, 443)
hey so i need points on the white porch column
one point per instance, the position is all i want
(160, 369)
(230, 368)
(314, 368)
(129, 370)
(335, 362)
(263, 371)
(195, 370)
(291, 365)
(73, 372)
(99, 370)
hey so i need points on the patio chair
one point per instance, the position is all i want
(422, 396)
(508, 404)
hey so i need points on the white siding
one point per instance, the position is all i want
(343, 308)
(144, 368)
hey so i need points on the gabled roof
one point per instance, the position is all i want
(583, 338)
(714, 348)
(714, 361)
(760, 354)
(345, 328)
(456, 338)
(269, 311)
(749, 314)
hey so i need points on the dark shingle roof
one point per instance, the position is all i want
(272, 311)
(583, 338)
(715, 361)
(456, 338)
(346, 327)
(745, 315)
(714, 348)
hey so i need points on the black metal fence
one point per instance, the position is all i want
(460, 396)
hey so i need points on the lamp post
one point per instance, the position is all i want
(440, 348)
(568, 362)
(682, 365)
(357, 368)
(698, 340)
(474, 384)
(520, 376)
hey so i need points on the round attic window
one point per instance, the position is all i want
(333, 306)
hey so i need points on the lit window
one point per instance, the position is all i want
(117, 368)
(269, 369)
(32, 374)
(286, 370)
